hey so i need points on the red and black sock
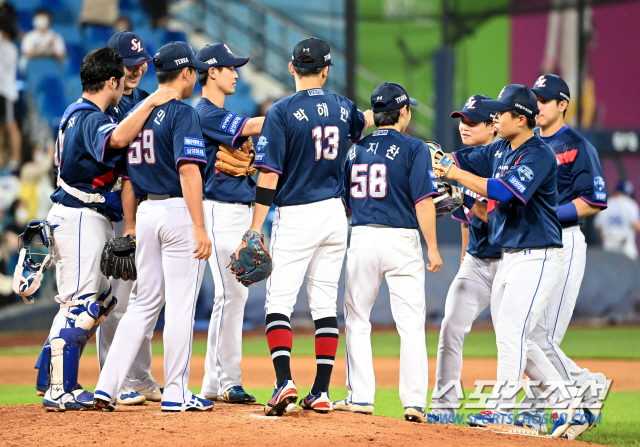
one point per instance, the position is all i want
(280, 341)
(326, 346)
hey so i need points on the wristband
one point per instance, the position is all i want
(567, 212)
(265, 196)
(469, 201)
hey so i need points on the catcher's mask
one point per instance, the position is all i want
(28, 273)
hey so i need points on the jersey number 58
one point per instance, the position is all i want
(374, 186)
(142, 148)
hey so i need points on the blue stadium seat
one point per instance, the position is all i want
(39, 68)
(75, 54)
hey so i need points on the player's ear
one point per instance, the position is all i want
(564, 105)
(212, 72)
(325, 72)
(291, 70)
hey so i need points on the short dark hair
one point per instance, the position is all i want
(164, 77)
(98, 67)
(204, 75)
(389, 118)
(488, 123)
(558, 101)
(302, 72)
(531, 122)
(43, 11)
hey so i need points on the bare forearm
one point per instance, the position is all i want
(426, 214)
(269, 180)
(471, 181)
(464, 229)
(479, 210)
(253, 127)
(129, 206)
(130, 127)
(584, 209)
(191, 183)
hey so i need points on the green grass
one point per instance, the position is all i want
(618, 426)
(592, 343)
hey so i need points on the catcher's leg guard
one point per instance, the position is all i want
(42, 365)
(65, 361)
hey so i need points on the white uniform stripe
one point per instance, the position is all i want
(327, 330)
(324, 362)
(279, 353)
(278, 323)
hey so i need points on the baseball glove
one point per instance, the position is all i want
(449, 200)
(237, 162)
(435, 149)
(119, 258)
(254, 263)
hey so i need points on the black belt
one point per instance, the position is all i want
(146, 197)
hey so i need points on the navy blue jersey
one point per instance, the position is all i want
(222, 127)
(579, 170)
(304, 139)
(479, 245)
(387, 173)
(127, 102)
(529, 172)
(171, 134)
(82, 156)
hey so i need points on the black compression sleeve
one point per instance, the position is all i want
(265, 196)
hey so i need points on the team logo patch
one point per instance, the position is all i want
(193, 142)
(601, 196)
(525, 173)
(598, 182)
(259, 157)
(380, 132)
(432, 174)
(262, 142)
(226, 120)
(434, 185)
(194, 151)
(516, 183)
(315, 92)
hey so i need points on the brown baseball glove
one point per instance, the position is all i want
(237, 162)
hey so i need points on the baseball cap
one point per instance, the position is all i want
(176, 55)
(516, 97)
(626, 187)
(131, 47)
(475, 110)
(390, 96)
(316, 49)
(550, 86)
(219, 55)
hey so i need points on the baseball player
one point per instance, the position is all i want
(389, 186)
(300, 155)
(88, 159)
(133, 51)
(618, 227)
(164, 170)
(227, 210)
(582, 193)
(518, 176)
(470, 291)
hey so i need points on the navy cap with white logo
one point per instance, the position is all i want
(516, 97)
(550, 86)
(219, 55)
(176, 55)
(475, 110)
(130, 46)
(316, 49)
(390, 96)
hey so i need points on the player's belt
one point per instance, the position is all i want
(156, 197)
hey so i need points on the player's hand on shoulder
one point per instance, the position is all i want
(162, 96)
(368, 118)
(203, 243)
(435, 261)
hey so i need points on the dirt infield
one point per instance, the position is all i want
(236, 425)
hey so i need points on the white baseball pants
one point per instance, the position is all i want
(469, 295)
(307, 240)
(167, 272)
(523, 286)
(226, 224)
(396, 254)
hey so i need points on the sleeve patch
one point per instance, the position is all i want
(226, 121)
(194, 151)
(259, 158)
(432, 174)
(517, 184)
(193, 142)
(315, 92)
(525, 173)
(600, 196)
(598, 182)
(262, 143)
(233, 127)
(434, 185)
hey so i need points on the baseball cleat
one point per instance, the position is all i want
(237, 395)
(196, 403)
(414, 414)
(484, 418)
(353, 407)
(282, 397)
(562, 420)
(582, 423)
(55, 399)
(41, 391)
(128, 396)
(153, 393)
(319, 403)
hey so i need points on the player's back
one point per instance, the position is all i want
(304, 139)
(387, 174)
(171, 134)
(127, 102)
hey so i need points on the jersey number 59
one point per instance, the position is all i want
(367, 181)
(142, 148)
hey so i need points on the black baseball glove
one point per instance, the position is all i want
(119, 258)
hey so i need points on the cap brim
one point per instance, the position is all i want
(471, 116)
(413, 102)
(199, 65)
(496, 105)
(134, 61)
(544, 94)
(236, 62)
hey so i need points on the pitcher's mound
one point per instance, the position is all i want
(234, 425)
